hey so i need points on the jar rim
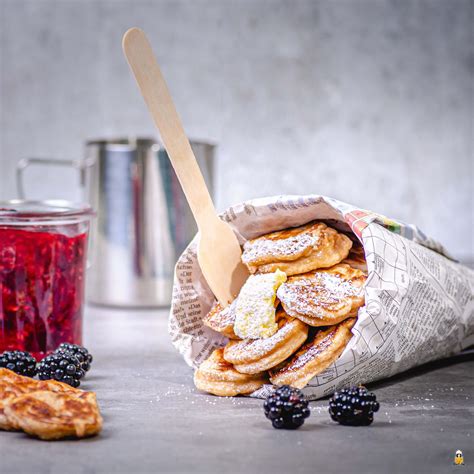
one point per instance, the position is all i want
(46, 211)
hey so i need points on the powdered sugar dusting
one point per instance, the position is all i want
(293, 246)
(255, 307)
(227, 315)
(309, 352)
(251, 350)
(286, 245)
(222, 318)
(319, 289)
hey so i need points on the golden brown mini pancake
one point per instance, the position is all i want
(29, 384)
(8, 392)
(297, 250)
(217, 376)
(356, 258)
(9, 376)
(13, 385)
(315, 356)
(54, 415)
(324, 297)
(222, 320)
(252, 356)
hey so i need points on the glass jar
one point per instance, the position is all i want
(43, 252)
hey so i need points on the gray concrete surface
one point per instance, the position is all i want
(155, 421)
(368, 101)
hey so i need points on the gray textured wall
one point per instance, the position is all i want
(368, 101)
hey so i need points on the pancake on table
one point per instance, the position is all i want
(8, 376)
(296, 250)
(54, 415)
(252, 356)
(28, 384)
(13, 385)
(315, 356)
(217, 376)
(8, 392)
(324, 297)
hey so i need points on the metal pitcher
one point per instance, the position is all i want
(143, 220)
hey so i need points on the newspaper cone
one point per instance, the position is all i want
(419, 304)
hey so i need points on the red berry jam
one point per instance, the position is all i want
(41, 287)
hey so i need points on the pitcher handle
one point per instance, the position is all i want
(81, 166)
(26, 162)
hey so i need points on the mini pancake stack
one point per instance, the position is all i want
(315, 309)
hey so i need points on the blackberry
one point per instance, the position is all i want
(286, 408)
(62, 366)
(22, 363)
(80, 352)
(353, 406)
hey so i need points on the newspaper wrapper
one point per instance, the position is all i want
(419, 303)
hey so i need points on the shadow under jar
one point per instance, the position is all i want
(43, 252)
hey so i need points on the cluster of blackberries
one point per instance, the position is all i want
(287, 407)
(353, 406)
(68, 363)
(81, 353)
(22, 363)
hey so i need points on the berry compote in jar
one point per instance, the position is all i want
(43, 252)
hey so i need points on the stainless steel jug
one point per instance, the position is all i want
(143, 220)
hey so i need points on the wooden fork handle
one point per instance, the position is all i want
(154, 90)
